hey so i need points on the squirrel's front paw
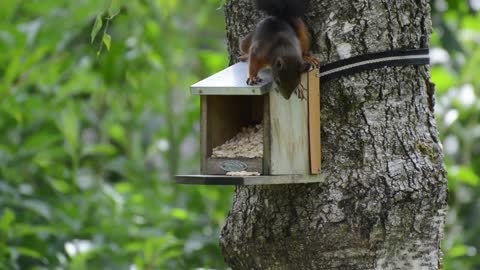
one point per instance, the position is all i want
(243, 58)
(313, 61)
(300, 91)
(254, 80)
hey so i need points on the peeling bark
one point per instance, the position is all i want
(383, 202)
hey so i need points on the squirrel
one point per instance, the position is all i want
(280, 41)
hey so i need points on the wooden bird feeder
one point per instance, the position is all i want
(290, 133)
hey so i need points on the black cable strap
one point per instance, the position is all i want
(371, 61)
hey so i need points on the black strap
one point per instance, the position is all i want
(371, 61)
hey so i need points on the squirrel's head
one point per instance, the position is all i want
(287, 72)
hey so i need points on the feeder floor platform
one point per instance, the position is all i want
(246, 180)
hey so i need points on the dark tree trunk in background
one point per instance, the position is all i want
(383, 202)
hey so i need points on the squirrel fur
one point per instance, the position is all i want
(280, 41)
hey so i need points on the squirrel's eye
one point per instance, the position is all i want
(306, 67)
(279, 63)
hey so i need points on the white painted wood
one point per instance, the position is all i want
(289, 144)
(232, 81)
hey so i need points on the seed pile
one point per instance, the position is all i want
(248, 143)
(243, 173)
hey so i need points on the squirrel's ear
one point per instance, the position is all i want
(279, 63)
(306, 67)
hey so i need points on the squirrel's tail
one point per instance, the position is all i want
(282, 8)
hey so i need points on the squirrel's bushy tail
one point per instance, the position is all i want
(282, 8)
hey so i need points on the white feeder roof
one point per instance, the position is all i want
(233, 81)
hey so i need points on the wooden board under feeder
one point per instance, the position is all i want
(223, 180)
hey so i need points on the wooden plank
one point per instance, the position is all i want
(266, 136)
(214, 165)
(226, 117)
(204, 140)
(289, 151)
(208, 180)
(314, 121)
(246, 180)
(232, 81)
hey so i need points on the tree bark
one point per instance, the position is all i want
(382, 203)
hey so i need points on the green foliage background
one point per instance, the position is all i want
(456, 74)
(91, 133)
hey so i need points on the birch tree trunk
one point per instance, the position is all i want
(382, 203)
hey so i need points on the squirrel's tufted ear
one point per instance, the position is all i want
(279, 63)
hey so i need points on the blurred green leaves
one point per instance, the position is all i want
(113, 10)
(90, 142)
(457, 30)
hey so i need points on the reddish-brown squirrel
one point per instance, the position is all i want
(280, 41)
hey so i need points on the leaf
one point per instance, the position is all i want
(29, 252)
(96, 27)
(458, 251)
(42, 159)
(114, 9)
(169, 254)
(212, 60)
(443, 78)
(134, 246)
(38, 207)
(70, 128)
(179, 213)
(60, 185)
(117, 132)
(107, 40)
(464, 174)
(123, 187)
(7, 219)
(40, 140)
(100, 149)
